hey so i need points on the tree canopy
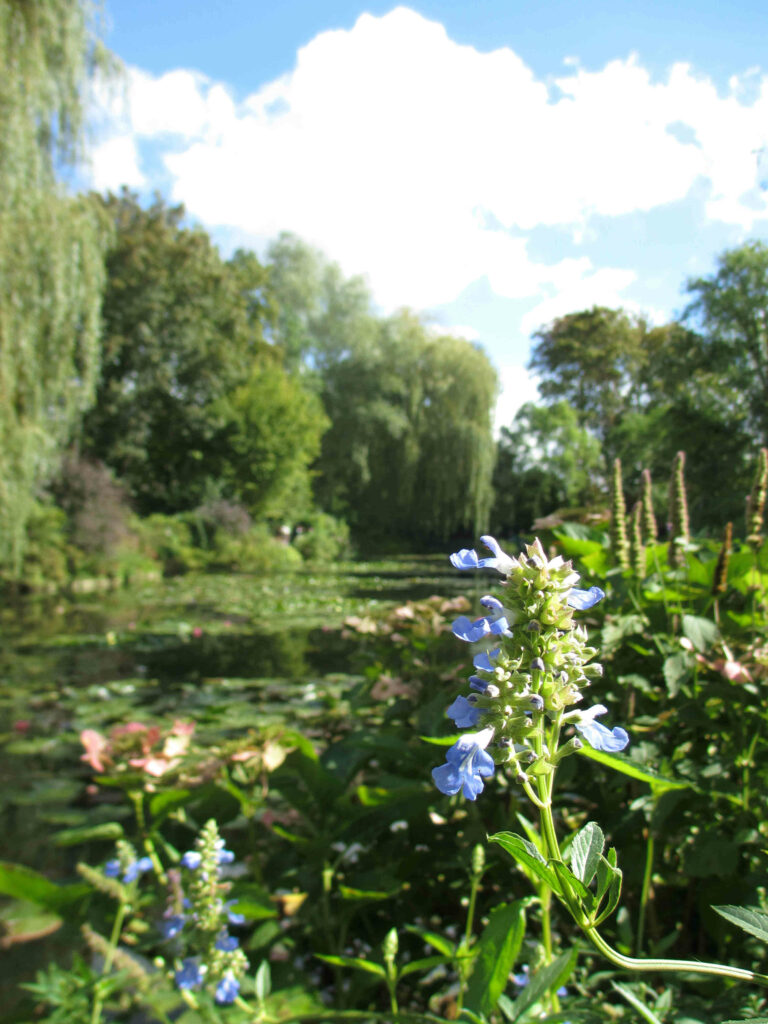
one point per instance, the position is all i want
(51, 269)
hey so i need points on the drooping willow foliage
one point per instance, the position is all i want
(51, 265)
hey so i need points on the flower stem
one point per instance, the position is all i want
(630, 963)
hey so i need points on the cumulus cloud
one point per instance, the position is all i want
(425, 164)
(517, 388)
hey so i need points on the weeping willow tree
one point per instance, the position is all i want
(51, 264)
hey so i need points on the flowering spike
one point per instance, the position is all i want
(636, 546)
(619, 518)
(720, 579)
(679, 529)
(650, 529)
(756, 501)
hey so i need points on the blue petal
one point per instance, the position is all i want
(226, 943)
(171, 926)
(602, 738)
(227, 990)
(112, 868)
(191, 859)
(464, 714)
(584, 599)
(469, 631)
(447, 779)
(491, 602)
(189, 974)
(484, 660)
(464, 559)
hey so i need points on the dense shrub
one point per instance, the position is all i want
(323, 539)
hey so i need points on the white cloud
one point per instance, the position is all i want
(517, 388)
(115, 162)
(424, 163)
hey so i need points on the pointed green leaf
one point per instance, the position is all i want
(497, 950)
(635, 771)
(586, 850)
(263, 981)
(354, 961)
(107, 830)
(424, 964)
(606, 869)
(526, 853)
(438, 942)
(640, 1006)
(569, 881)
(614, 892)
(753, 921)
(25, 884)
(546, 979)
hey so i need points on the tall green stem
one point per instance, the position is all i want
(114, 938)
(647, 874)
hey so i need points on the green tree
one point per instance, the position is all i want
(409, 452)
(592, 359)
(177, 337)
(546, 461)
(645, 393)
(271, 435)
(51, 267)
(731, 309)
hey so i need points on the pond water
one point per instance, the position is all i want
(230, 652)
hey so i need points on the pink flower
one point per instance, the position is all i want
(197, 631)
(95, 745)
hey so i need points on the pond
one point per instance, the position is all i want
(231, 653)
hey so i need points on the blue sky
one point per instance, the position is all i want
(492, 164)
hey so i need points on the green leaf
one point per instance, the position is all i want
(614, 892)
(354, 961)
(676, 670)
(162, 804)
(569, 881)
(109, 830)
(749, 920)
(25, 884)
(526, 853)
(606, 870)
(424, 964)
(21, 921)
(263, 981)
(632, 999)
(703, 633)
(349, 893)
(544, 980)
(497, 951)
(586, 850)
(635, 771)
(442, 945)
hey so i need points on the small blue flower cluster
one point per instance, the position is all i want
(536, 672)
(207, 914)
(131, 871)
